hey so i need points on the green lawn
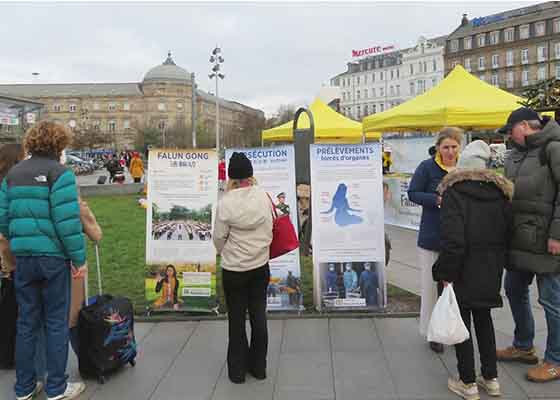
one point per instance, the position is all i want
(122, 253)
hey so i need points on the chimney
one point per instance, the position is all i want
(465, 20)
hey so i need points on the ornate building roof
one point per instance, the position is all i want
(168, 71)
(72, 90)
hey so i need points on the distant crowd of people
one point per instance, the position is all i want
(182, 230)
(116, 165)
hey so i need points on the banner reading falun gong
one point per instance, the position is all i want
(399, 210)
(274, 170)
(180, 254)
(348, 228)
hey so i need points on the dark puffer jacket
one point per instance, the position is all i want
(475, 225)
(536, 216)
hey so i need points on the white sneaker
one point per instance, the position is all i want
(490, 386)
(73, 390)
(467, 392)
(38, 390)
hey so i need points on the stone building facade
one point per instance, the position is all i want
(163, 101)
(512, 49)
(378, 83)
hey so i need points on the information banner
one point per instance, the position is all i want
(274, 169)
(181, 258)
(348, 229)
(399, 210)
(407, 152)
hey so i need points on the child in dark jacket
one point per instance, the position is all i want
(475, 224)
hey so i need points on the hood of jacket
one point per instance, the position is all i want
(550, 132)
(242, 208)
(482, 184)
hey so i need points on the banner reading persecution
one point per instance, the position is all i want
(348, 230)
(274, 170)
(182, 194)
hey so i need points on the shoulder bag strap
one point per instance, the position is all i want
(274, 212)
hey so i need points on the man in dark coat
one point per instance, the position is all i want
(475, 223)
(534, 167)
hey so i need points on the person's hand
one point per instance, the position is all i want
(554, 247)
(159, 278)
(445, 283)
(79, 272)
(438, 201)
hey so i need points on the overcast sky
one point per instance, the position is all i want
(275, 53)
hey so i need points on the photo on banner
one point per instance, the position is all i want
(348, 226)
(180, 254)
(274, 170)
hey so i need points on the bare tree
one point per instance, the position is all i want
(88, 138)
(284, 114)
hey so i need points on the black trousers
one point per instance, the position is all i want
(246, 291)
(486, 339)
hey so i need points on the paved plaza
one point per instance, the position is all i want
(309, 359)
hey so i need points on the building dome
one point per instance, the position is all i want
(168, 71)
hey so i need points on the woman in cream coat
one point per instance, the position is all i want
(242, 236)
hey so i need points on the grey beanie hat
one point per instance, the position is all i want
(475, 156)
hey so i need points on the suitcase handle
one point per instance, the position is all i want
(99, 285)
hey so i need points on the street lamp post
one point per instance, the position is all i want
(193, 109)
(217, 60)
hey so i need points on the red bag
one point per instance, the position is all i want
(284, 238)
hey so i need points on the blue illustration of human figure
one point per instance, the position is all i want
(331, 279)
(342, 216)
(350, 279)
(369, 282)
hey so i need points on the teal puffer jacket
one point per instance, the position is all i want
(39, 211)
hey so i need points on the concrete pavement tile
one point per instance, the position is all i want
(404, 276)
(400, 334)
(418, 375)
(305, 376)
(363, 375)
(254, 389)
(311, 335)
(196, 370)
(141, 329)
(354, 335)
(503, 320)
(510, 389)
(157, 353)
(7, 381)
(518, 372)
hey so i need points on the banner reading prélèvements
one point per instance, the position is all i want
(181, 258)
(274, 170)
(348, 229)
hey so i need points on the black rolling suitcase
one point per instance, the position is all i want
(8, 313)
(101, 180)
(106, 333)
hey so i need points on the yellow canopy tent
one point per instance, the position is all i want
(330, 127)
(461, 99)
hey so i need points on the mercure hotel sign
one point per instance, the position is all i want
(370, 51)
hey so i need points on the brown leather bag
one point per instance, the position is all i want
(93, 232)
(7, 259)
(89, 223)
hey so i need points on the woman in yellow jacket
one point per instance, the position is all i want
(136, 168)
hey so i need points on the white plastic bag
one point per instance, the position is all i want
(446, 325)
